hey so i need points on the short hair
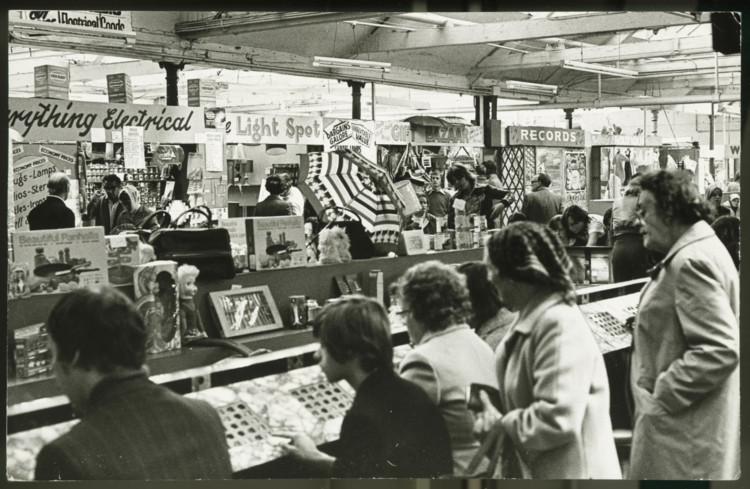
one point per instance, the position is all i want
(286, 178)
(101, 326)
(436, 294)
(676, 196)
(578, 214)
(490, 166)
(457, 172)
(112, 178)
(531, 253)
(544, 179)
(275, 185)
(356, 327)
(484, 294)
(517, 216)
(58, 183)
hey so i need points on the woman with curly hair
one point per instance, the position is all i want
(685, 357)
(447, 356)
(552, 378)
(583, 229)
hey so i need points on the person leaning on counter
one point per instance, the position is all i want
(130, 428)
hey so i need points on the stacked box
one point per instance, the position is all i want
(123, 255)
(201, 93)
(157, 297)
(51, 82)
(276, 242)
(31, 354)
(119, 89)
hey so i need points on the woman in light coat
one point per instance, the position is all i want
(685, 360)
(553, 383)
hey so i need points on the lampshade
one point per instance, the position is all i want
(275, 149)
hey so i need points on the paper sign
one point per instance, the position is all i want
(214, 151)
(98, 135)
(133, 147)
(459, 204)
(116, 136)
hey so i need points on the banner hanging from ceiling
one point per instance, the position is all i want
(276, 129)
(109, 23)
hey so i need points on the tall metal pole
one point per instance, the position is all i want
(173, 77)
(356, 98)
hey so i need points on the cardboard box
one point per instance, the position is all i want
(119, 89)
(276, 242)
(123, 256)
(52, 82)
(157, 293)
(201, 93)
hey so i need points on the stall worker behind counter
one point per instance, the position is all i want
(105, 209)
(438, 199)
(134, 214)
(392, 429)
(52, 213)
(469, 198)
(684, 373)
(292, 194)
(130, 428)
(274, 204)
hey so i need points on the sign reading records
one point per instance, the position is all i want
(545, 136)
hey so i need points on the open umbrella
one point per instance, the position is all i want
(348, 180)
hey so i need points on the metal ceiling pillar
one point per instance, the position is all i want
(172, 79)
(569, 117)
(356, 96)
(655, 120)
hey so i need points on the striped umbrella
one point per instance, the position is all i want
(346, 179)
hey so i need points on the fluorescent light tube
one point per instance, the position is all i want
(599, 69)
(538, 88)
(323, 62)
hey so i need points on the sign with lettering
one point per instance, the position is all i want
(32, 166)
(452, 135)
(61, 120)
(277, 129)
(623, 140)
(546, 136)
(351, 134)
(392, 132)
(110, 23)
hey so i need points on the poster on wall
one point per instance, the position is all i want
(32, 166)
(575, 172)
(605, 174)
(549, 161)
(575, 198)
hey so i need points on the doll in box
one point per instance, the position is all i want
(191, 325)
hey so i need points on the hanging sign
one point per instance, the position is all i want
(133, 147)
(277, 129)
(453, 135)
(392, 132)
(109, 23)
(359, 136)
(62, 120)
(545, 136)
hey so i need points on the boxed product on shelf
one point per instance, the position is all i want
(122, 257)
(275, 242)
(157, 301)
(237, 240)
(60, 260)
(31, 354)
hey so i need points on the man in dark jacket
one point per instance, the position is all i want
(541, 204)
(130, 428)
(274, 204)
(52, 213)
(105, 209)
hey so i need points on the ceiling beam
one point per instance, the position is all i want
(263, 21)
(600, 54)
(499, 32)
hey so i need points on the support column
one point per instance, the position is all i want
(655, 120)
(569, 117)
(172, 79)
(356, 98)
(711, 127)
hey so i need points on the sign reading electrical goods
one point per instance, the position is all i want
(545, 136)
(111, 23)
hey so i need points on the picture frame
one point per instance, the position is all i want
(244, 311)
(413, 242)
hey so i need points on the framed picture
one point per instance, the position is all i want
(413, 243)
(245, 311)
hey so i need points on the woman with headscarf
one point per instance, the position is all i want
(134, 214)
(554, 393)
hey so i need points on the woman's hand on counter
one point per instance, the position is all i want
(302, 447)
(487, 418)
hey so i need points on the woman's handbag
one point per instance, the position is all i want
(207, 248)
(361, 246)
(147, 227)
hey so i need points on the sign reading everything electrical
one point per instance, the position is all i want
(110, 23)
(545, 136)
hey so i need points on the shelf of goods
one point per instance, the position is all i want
(281, 390)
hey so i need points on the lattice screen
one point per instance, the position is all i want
(517, 165)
